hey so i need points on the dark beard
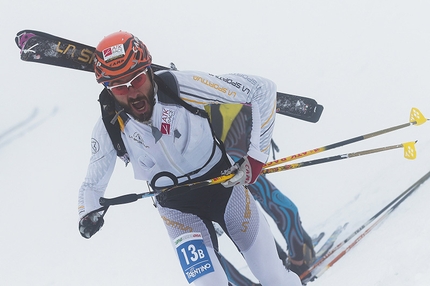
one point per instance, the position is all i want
(145, 117)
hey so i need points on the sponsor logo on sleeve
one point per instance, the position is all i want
(95, 146)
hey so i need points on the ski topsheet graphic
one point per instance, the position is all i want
(48, 49)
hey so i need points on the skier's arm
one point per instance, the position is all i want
(199, 89)
(263, 100)
(262, 96)
(99, 171)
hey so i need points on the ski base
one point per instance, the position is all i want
(299, 107)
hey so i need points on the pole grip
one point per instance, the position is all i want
(125, 199)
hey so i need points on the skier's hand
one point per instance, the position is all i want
(246, 172)
(90, 224)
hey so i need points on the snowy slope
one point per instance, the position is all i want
(366, 61)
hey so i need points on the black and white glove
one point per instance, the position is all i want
(246, 171)
(90, 224)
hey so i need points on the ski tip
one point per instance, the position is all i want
(318, 112)
(22, 37)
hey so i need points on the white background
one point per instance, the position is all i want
(366, 61)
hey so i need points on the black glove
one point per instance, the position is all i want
(90, 224)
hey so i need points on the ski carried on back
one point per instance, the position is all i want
(48, 49)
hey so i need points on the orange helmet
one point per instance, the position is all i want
(119, 54)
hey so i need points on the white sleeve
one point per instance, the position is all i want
(263, 100)
(199, 88)
(99, 171)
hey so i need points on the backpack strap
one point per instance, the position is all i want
(166, 83)
(168, 92)
(114, 120)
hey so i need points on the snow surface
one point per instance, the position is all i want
(367, 62)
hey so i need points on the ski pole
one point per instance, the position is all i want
(393, 204)
(125, 199)
(129, 198)
(409, 153)
(415, 118)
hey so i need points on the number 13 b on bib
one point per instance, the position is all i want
(193, 255)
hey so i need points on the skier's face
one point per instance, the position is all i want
(135, 93)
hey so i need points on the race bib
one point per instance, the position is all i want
(193, 255)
